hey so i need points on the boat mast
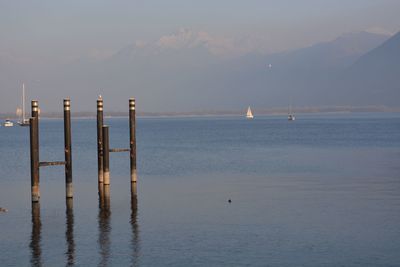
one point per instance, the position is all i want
(23, 102)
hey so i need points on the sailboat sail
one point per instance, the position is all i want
(249, 114)
(23, 121)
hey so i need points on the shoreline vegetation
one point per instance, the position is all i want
(258, 111)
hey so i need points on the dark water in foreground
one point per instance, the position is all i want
(321, 191)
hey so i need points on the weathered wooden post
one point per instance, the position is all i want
(107, 197)
(67, 149)
(101, 194)
(100, 139)
(133, 190)
(106, 156)
(34, 147)
(132, 137)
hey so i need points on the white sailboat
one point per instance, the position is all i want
(24, 121)
(249, 114)
(291, 116)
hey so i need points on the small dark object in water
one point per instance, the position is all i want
(229, 201)
(3, 209)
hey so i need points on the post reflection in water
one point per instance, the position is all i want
(69, 233)
(35, 246)
(104, 224)
(135, 246)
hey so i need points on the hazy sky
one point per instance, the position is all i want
(55, 30)
(42, 34)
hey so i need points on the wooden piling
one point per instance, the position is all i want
(104, 197)
(67, 146)
(34, 151)
(132, 138)
(133, 190)
(51, 163)
(107, 197)
(106, 156)
(100, 139)
(101, 194)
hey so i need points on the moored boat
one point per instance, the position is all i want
(8, 123)
(291, 116)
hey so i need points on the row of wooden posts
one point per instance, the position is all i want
(103, 148)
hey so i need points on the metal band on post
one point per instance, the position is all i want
(35, 109)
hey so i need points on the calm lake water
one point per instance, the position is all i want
(321, 191)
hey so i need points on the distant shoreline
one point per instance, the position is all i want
(258, 111)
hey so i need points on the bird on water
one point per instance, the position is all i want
(3, 209)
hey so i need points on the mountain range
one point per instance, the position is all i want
(189, 71)
(375, 77)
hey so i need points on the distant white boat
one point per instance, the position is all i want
(249, 114)
(8, 123)
(23, 121)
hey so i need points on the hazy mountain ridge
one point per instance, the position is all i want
(338, 53)
(190, 76)
(184, 72)
(307, 76)
(375, 77)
